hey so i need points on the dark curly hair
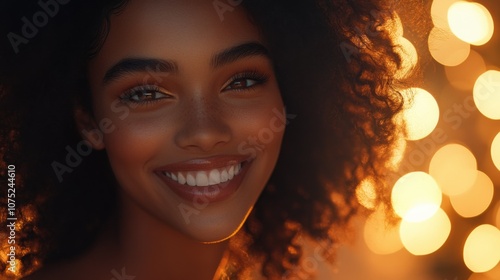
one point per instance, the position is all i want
(335, 62)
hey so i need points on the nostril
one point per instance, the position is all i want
(205, 135)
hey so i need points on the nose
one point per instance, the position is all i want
(203, 127)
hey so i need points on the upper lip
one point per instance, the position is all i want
(208, 163)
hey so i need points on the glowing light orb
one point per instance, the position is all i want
(475, 200)
(439, 12)
(486, 94)
(471, 22)
(446, 48)
(454, 168)
(495, 151)
(482, 248)
(365, 193)
(409, 57)
(422, 116)
(398, 153)
(416, 196)
(380, 237)
(394, 26)
(425, 237)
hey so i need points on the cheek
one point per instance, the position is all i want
(134, 140)
(262, 130)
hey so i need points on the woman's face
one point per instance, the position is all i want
(190, 113)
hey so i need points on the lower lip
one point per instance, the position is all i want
(207, 194)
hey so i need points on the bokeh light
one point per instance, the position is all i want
(471, 22)
(422, 116)
(397, 153)
(454, 167)
(475, 200)
(416, 196)
(381, 237)
(482, 248)
(439, 12)
(495, 150)
(409, 57)
(446, 48)
(487, 94)
(395, 26)
(425, 237)
(464, 76)
(365, 193)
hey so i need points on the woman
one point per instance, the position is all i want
(149, 136)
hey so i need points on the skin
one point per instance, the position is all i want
(198, 113)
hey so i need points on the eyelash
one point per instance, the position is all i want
(251, 75)
(127, 96)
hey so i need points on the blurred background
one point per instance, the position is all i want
(447, 189)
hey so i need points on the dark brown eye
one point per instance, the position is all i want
(143, 94)
(245, 80)
(241, 83)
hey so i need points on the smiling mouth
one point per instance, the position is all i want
(205, 178)
(211, 179)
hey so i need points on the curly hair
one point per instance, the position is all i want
(335, 63)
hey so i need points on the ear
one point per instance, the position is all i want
(88, 128)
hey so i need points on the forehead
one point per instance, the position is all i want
(174, 29)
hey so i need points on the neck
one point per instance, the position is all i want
(154, 250)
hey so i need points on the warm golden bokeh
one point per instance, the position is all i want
(365, 193)
(446, 48)
(416, 196)
(425, 237)
(482, 248)
(475, 200)
(422, 115)
(409, 57)
(487, 94)
(454, 167)
(464, 76)
(471, 22)
(439, 12)
(495, 151)
(381, 237)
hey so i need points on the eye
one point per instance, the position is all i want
(245, 80)
(143, 94)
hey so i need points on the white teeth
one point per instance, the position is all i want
(190, 180)
(181, 178)
(201, 179)
(224, 176)
(205, 178)
(214, 177)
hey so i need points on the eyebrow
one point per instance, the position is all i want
(148, 65)
(133, 65)
(239, 52)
